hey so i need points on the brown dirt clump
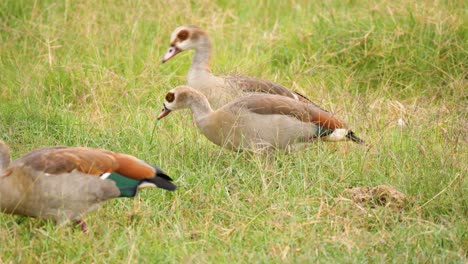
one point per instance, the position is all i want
(381, 195)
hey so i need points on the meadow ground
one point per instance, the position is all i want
(88, 73)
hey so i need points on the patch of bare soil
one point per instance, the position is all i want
(381, 195)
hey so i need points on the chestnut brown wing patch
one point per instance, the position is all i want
(133, 167)
(280, 105)
(55, 160)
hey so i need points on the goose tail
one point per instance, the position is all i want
(351, 136)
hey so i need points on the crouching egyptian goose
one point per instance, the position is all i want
(64, 183)
(258, 121)
(218, 90)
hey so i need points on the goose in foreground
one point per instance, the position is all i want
(64, 183)
(218, 90)
(258, 121)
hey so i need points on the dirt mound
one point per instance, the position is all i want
(381, 195)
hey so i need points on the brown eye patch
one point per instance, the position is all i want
(170, 97)
(183, 35)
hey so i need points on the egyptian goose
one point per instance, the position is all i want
(258, 121)
(218, 90)
(64, 183)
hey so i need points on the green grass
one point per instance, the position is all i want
(88, 73)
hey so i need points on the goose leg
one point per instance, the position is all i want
(83, 225)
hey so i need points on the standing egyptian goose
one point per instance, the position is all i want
(258, 121)
(64, 183)
(218, 90)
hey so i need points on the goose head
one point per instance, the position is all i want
(184, 38)
(183, 97)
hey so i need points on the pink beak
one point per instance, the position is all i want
(171, 52)
(165, 111)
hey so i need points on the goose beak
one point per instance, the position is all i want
(171, 52)
(165, 111)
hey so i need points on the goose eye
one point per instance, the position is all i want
(183, 35)
(170, 97)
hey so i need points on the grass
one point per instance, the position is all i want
(88, 73)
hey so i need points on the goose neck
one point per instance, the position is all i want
(201, 59)
(200, 106)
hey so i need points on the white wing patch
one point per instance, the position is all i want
(338, 134)
(146, 185)
(105, 175)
